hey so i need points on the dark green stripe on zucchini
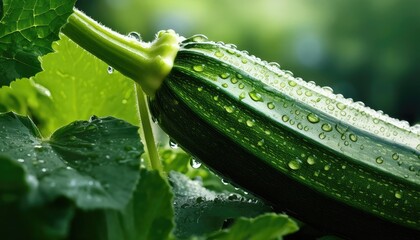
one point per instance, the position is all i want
(322, 158)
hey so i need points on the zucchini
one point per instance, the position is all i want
(323, 159)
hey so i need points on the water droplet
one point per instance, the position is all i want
(254, 95)
(224, 182)
(229, 109)
(411, 168)
(241, 86)
(44, 170)
(327, 167)
(310, 160)
(110, 69)
(173, 144)
(250, 123)
(328, 89)
(375, 120)
(225, 85)
(341, 106)
(326, 127)
(219, 54)
(270, 105)
(292, 83)
(38, 147)
(418, 147)
(200, 89)
(198, 68)
(244, 61)
(379, 160)
(195, 163)
(232, 196)
(287, 72)
(267, 132)
(300, 126)
(242, 95)
(398, 194)
(224, 75)
(322, 135)
(294, 164)
(197, 38)
(353, 137)
(216, 98)
(285, 118)
(234, 80)
(395, 156)
(312, 118)
(239, 76)
(21, 160)
(261, 142)
(135, 35)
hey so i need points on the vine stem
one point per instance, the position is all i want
(148, 136)
(147, 63)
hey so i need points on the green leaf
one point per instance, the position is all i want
(27, 30)
(149, 214)
(94, 163)
(74, 85)
(265, 227)
(13, 180)
(200, 211)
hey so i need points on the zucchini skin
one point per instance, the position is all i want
(277, 137)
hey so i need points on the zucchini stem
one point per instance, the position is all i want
(147, 63)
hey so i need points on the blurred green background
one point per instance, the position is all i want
(368, 50)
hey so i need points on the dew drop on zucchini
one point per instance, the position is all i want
(194, 163)
(310, 160)
(395, 156)
(224, 75)
(379, 160)
(294, 164)
(110, 69)
(229, 109)
(270, 105)
(353, 137)
(398, 194)
(198, 68)
(250, 122)
(312, 118)
(173, 144)
(326, 127)
(254, 95)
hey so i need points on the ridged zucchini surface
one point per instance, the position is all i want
(316, 155)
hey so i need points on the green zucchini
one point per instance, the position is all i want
(324, 159)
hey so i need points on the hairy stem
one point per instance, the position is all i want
(153, 161)
(147, 63)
